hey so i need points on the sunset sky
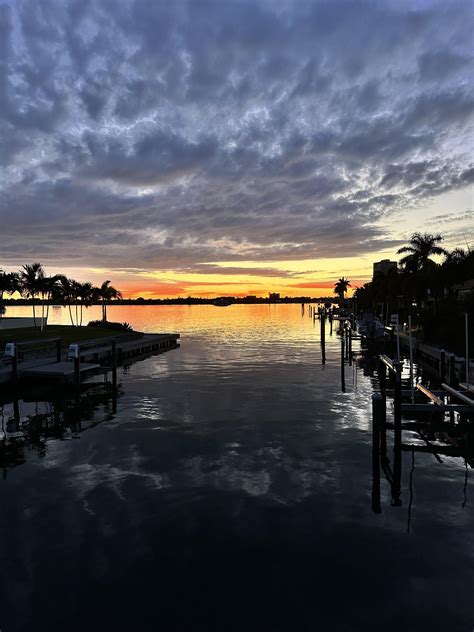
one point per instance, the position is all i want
(232, 146)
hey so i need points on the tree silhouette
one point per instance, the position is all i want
(340, 288)
(30, 282)
(420, 249)
(106, 292)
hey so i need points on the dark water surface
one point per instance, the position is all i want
(231, 490)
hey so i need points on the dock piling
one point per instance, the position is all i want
(377, 406)
(397, 439)
(343, 380)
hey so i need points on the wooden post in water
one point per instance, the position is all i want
(323, 338)
(343, 380)
(466, 317)
(397, 439)
(377, 405)
(382, 370)
(350, 346)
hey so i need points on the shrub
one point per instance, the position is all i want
(105, 324)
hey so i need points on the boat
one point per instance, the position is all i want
(222, 302)
(369, 326)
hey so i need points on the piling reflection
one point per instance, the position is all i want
(32, 418)
(437, 437)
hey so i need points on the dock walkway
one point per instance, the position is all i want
(92, 355)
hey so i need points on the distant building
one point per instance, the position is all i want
(274, 296)
(251, 298)
(384, 266)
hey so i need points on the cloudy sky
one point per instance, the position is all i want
(231, 146)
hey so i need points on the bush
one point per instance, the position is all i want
(105, 324)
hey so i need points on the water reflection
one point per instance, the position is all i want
(234, 478)
(447, 443)
(31, 417)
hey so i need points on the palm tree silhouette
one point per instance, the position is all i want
(106, 292)
(420, 249)
(87, 293)
(64, 293)
(31, 279)
(340, 288)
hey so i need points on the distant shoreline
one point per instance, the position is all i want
(178, 301)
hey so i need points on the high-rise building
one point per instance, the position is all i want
(384, 266)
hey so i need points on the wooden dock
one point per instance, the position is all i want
(92, 355)
(58, 369)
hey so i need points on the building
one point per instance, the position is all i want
(274, 296)
(384, 266)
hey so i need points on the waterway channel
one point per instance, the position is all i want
(226, 487)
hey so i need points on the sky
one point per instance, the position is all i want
(232, 147)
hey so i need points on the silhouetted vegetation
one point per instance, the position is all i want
(39, 289)
(104, 324)
(435, 294)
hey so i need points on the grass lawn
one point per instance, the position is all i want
(67, 333)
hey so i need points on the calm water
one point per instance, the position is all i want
(230, 490)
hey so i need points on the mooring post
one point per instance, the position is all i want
(382, 371)
(350, 346)
(343, 380)
(397, 438)
(377, 405)
(466, 320)
(442, 365)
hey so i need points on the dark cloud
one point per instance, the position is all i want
(174, 135)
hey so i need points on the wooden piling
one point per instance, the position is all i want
(323, 338)
(377, 406)
(397, 438)
(350, 346)
(343, 380)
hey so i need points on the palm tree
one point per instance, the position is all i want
(48, 291)
(87, 294)
(8, 285)
(31, 279)
(106, 292)
(420, 249)
(340, 288)
(64, 292)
